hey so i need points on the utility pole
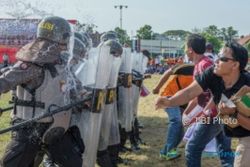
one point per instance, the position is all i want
(121, 7)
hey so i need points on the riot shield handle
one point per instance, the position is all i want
(125, 79)
(137, 74)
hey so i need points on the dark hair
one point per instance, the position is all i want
(197, 43)
(146, 53)
(239, 53)
(209, 46)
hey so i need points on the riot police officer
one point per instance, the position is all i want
(76, 93)
(107, 154)
(39, 77)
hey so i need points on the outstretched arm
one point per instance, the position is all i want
(181, 97)
(162, 80)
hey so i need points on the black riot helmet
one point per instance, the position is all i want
(78, 35)
(79, 50)
(109, 35)
(55, 29)
(85, 39)
(89, 39)
(115, 47)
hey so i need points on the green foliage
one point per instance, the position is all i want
(224, 34)
(218, 36)
(228, 34)
(217, 43)
(122, 35)
(89, 28)
(4, 122)
(145, 32)
(247, 46)
(212, 30)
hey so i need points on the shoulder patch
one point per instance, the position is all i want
(24, 66)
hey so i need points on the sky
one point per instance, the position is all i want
(162, 15)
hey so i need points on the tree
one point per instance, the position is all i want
(212, 30)
(217, 43)
(196, 30)
(247, 46)
(122, 35)
(88, 27)
(212, 35)
(228, 34)
(145, 32)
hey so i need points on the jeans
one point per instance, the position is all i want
(202, 135)
(175, 129)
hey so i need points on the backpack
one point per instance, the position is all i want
(182, 77)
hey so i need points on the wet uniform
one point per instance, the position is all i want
(38, 85)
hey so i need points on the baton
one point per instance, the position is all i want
(5, 109)
(47, 114)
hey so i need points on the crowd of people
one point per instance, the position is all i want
(216, 79)
(156, 66)
(75, 105)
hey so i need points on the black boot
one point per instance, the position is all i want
(114, 154)
(124, 136)
(137, 133)
(103, 159)
(139, 124)
(133, 141)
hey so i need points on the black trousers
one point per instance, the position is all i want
(68, 151)
(26, 143)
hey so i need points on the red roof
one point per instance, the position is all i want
(72, 21)
(244, 40)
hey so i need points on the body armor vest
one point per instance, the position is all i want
(49, 92)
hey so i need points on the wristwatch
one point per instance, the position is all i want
(235, 114)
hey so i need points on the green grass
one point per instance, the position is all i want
(4, 122)
(154, 132)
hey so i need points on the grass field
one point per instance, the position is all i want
(4, 122)
(154, 132)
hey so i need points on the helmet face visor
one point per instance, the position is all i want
(115, 47)
(109, 35)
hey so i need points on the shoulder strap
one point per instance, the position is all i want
(52, 69)
(184, 69)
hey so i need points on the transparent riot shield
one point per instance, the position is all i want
(109, 107)
(125, 113)
(54, 94)
(114, 137)
(139, 65)
(94, 77)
